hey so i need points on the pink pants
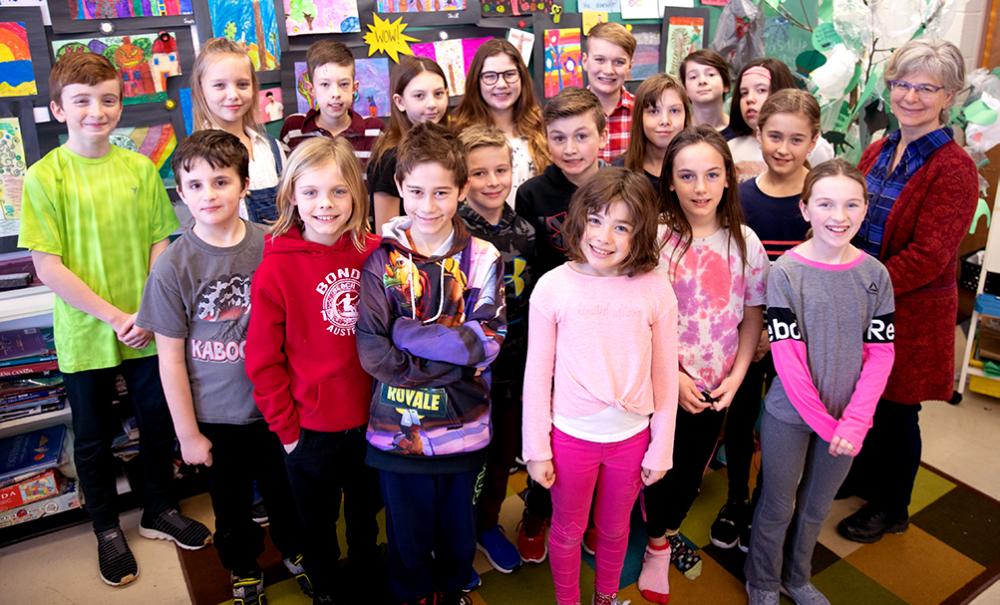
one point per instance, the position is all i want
(614, 468)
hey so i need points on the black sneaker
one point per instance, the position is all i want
(868, 525)
(259, 514)
(115, 559)
(248, 588)
(744, 542)
(725, 531)
(294, 567)
(172, 525)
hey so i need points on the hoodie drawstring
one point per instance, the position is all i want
(413, 297)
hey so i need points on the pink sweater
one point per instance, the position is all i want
(607, 341)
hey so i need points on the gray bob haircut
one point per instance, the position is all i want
(936, 58)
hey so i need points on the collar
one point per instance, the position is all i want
(356, 128)
(469, 214)
(625, 99)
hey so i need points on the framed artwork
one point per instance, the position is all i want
(145, 61)
(18, 150)
(432, 13)
(558, 53)
(254, 24)
(304, 17)
(270, 107)
(87, 16)
(646, 61)
(24, 58)
(684, 31)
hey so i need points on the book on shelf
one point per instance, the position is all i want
(34, 408)
(67, 499)
(37, 487)
(26, 343)
(39, 368)
(29, 453)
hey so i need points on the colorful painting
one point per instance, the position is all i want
(685, 35)
(321, 17)
(252, 23)
(454, 57)
(496, 8)
(374, 96)
(17, 74)
(155, 142)
(117, 9)
(144, 61)
(13, 165)
(187, 109)
(646, 61)
(303, 93)
(420, 6)
(562, 60)
(526, 7)
(270, 107)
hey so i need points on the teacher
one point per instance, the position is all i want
(922, 193)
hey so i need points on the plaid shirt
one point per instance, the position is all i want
(361, 133)
(884, 188)
(619, 124)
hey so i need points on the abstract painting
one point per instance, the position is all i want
(562, 60)
(646, 61)
(118, 9)
(496, 8)
(374, 96)
(526, 7)
(144, 61)
(419, 6)
(17, 73)
(13, 164)
(684, 36)
(270, 106)
(454, 57)
(321, 17)
(303, 93)
(251, 23)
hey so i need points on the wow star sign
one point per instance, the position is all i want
(387, 37)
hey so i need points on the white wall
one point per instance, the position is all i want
(966, 29)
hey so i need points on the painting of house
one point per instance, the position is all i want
(165, 61)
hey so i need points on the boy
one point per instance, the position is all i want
(330, 66)
(575, 131)
(489, 217)
(608, 63)
(95, 218)
(197, 304)
(431, 322)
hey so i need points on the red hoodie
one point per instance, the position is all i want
(300, 351)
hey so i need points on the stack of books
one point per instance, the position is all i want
(30, 382)
(31, 485)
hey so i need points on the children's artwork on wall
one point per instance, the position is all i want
(13, 165)
(640, 9)
(454, 56)
(187, 109)
(562, 60)
(17, 74)
(156, 142)
(646, 61)
(118, 9)
(251, 23)
(420, 6)
(685, 30)
(304, 17)
(523, 41)
(605, 6)
(496, 8)
(374, 95)
(269, 105)
(303, 93)
(143, 60)
(431, 13)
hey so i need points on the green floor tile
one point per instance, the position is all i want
(966, 521)
(928, 487)
(843, 583)
(529, 585)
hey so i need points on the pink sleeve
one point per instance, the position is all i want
(876, 364)
(660, 453)
(536, 426)
(791, 363)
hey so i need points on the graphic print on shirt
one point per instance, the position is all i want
(225, 301)
(341, 290)
(408, 283)
(554, 228)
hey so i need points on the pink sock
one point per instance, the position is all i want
(654, 585)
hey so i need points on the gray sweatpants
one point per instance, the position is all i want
(800, 477)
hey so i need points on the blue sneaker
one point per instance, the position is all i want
(499, 551)
(474, 582)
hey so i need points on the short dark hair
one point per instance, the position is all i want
(81, 67)
(216, 147)
(709, 57)
(327, 51)
(428, 143)
(571, 102)
(609, 185)
(269, 94)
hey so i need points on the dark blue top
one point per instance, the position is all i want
(777, 221)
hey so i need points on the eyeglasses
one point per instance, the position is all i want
(922, 90)
(490, 78)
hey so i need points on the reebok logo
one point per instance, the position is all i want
(873, 288)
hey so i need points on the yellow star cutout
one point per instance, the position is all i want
(388, 38)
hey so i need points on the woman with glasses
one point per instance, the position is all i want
(922, 192)
(498, 92)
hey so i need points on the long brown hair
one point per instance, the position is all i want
(729, 210)
(399, 124)
(211, 50)
(527, 115)
(647, 96)
(781, 78)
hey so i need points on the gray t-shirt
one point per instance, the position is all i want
(201, 293)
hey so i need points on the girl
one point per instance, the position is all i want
(666, 110)
(718, 269)
(706, 79)
(224, 91)
(304, 297)
(829, 313)
(788, 129)
(609, 420)
(419, 94)
(498, 92)
(757, 80)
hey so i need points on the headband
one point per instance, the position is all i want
(758, 70)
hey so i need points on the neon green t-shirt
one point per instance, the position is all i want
(101, 215)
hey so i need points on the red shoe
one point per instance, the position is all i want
(531, 542)
(590, 541)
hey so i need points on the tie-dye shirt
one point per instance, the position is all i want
(712, 288)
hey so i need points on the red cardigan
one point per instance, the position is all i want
(920, 250)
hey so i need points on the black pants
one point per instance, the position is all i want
(242, 453)
(668, 500)
(741, 419)
(321, 468)
(503, 448)
(95, 424)
(431, 529)
(885, 470)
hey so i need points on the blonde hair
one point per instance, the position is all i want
(648, 95)
(310, 155)
(937, 58)
(616, 34)
(480, 135)
(211, 50)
